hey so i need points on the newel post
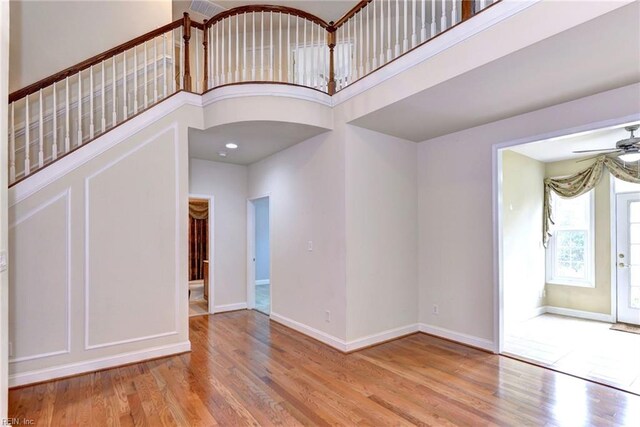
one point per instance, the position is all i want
(331, 41)
(186, 35)
(468, 9)
(205, 43)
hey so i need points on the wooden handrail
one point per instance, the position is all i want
(48, 81)
(266, 8)
(357, 8)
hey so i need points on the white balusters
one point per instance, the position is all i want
(244, 46)
(54, 144)
(103, 118)
(145, 77)
(374, 55)
(79, 108)
(362, 45)
(389, 31)
(454, 12)
(125, 94)
(197, 55)
(290, 69)
(261, 45)
(368, 52)
(381, 33)
(405, 40)
(155, 70)
(280, 49)
(230, 64)
(40, 129)
(423, 21)
(270, 45)
(27, 139)
(237, 77)
(12, 144)
(67, 132)
(164, 69)
(443, 19)
(114, 94)
(91, 109)
(433, 18)
(135, 77)
(397, 47)
(414, 34)
(253, 46)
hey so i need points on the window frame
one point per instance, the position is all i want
(550, 257)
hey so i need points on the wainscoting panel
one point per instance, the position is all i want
(131, 211)
(39, 280)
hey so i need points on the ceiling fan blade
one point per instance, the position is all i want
(595, 157)
(604, 150)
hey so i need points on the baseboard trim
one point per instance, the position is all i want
(589, 315)
(262, 282)
(381, 338)
(230, 307)
(316, 334)
(93, 365)
(459, 337)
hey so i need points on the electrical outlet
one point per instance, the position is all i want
(436, 309)
(327, 316)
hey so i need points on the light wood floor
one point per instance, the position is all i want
(585, 348)
(246, 370)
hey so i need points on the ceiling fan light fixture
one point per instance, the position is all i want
(630, 157)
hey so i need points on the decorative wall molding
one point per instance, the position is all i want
(469, 340)
(173, 128)
(66, 194)
(97, 364)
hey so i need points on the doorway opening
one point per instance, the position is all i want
(564, 295)
(260, 256)
(199, 269)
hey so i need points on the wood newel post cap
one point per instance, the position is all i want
(186, 23)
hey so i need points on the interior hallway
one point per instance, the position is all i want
(245, 369)
(585, 348)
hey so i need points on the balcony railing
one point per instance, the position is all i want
(59, 114)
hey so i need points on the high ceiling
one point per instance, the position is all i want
(329, 10)
(256, 140)
(594, 57)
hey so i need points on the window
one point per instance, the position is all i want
(570, 255)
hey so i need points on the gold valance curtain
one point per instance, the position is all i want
(198, 237)
(583, 181)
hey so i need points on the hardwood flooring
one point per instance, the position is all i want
(246, 370)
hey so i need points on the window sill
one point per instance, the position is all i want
(576, 284)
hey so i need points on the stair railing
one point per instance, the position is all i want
(251, 44)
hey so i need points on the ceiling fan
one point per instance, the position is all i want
(627, 150)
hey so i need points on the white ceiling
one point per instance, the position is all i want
(600, 55)
(556, 149)
(329, 10)
(256, 140)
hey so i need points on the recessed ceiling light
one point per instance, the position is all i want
(222, 153)
(231, 146)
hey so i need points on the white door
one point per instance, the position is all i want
(628, 257)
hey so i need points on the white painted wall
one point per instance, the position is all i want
(227, 183)
(49, 36)
(456, 255)
(4, 242)
(382, 225)
(523, 254)
(109, 240)
(305, 184)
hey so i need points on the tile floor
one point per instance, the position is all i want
(263, 298)
(584, 348)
